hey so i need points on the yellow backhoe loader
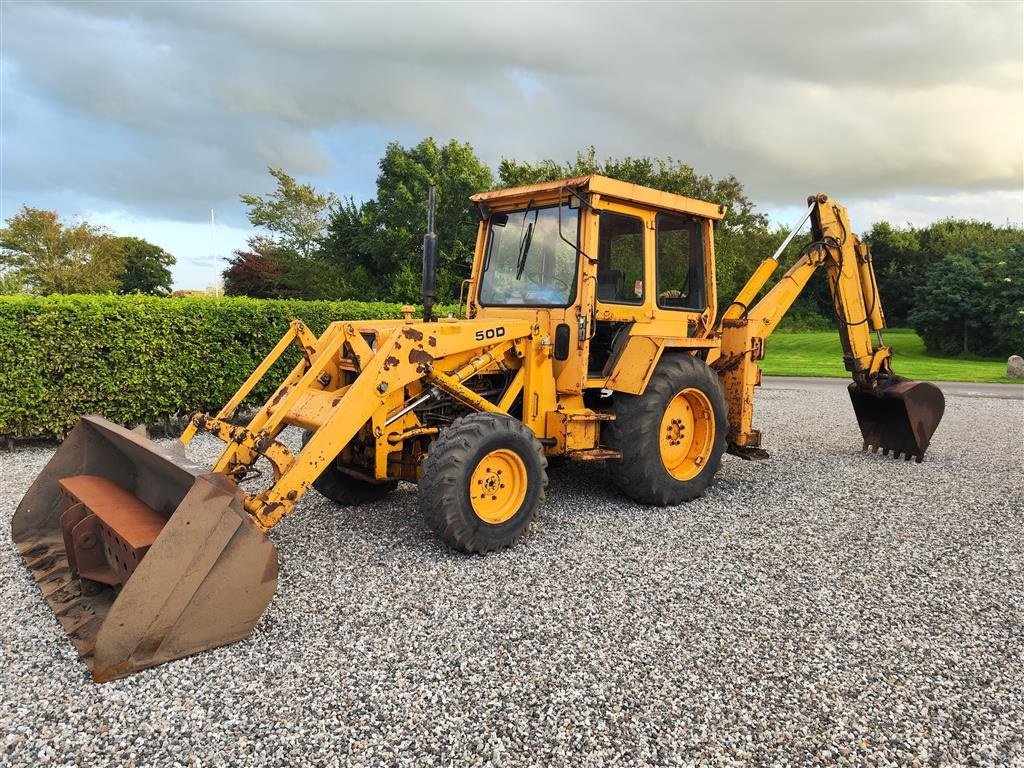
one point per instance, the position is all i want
(590, 331)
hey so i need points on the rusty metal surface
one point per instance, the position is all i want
(594, 454)
(107, 531)
(899, 417)
(748, 452)
(606, 187)
(136, 523)
(204, 580)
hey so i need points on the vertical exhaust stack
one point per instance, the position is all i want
(429, 262)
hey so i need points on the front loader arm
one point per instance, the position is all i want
(409, 360)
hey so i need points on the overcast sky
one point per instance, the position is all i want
(145, 116)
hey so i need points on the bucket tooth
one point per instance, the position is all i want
(62, 609)
(33, 549)
(44, 562)
(74, 620)
(54, 581)
(142, 557)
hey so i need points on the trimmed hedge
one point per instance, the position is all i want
(141, 359)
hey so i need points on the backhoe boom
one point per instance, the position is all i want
(860, 321)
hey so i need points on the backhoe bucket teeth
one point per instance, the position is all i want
(899, 417)
(142, 557)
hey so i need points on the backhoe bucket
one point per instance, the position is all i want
(898, 417)
(143, 557)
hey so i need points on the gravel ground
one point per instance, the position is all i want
(827, 607)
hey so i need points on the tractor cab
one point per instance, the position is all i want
(595, 262)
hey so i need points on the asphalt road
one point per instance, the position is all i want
(949, 388)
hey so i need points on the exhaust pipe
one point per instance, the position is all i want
(429, 262)
(143, 557)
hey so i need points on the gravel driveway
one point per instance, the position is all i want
(826, 607)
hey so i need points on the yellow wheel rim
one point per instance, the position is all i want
(497, 488)
(687, 434)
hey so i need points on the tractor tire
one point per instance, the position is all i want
(672, 436)
(345, 489)
(482, 482)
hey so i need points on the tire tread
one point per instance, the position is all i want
(446, 472)
(640, 473)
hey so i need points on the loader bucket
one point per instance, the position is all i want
(143, 557)
(899, 417)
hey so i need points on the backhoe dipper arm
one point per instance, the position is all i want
(858, 312)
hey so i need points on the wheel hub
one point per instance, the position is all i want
(687, 433)
(497, 488)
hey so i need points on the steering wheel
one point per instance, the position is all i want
(538, 279)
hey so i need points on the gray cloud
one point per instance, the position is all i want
(155, 106)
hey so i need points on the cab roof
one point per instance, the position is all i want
(612, 189)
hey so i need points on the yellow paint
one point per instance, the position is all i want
(633, 368)
(744, 332)
(498, 486)
(361, 388)
(687, 434)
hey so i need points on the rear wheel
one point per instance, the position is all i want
(482, 482)
(672, 436)
(342, 488)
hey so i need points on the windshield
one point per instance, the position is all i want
(526, 262)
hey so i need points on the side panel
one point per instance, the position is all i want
(710, 278)
(633, 367)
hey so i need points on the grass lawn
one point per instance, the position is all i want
(818, 353)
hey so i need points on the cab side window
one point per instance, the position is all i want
(620, 259)
(679, 253)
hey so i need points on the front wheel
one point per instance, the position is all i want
(482, 482)
(672, 436)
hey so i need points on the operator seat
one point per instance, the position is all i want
(609, 285)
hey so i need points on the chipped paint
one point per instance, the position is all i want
(420, 357)
(412, 334)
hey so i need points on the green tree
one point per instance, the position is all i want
(379, 244)
(972, 303)
(1002, 271)
(949, 305)
(268, 270)
(11, 282)
(47, 256)
(296, 214)
(900, 265)
(905, 256)
(958, 235)
(290, 261)
(146, 267)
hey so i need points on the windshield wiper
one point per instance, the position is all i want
(524, 244)
(523, 250)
